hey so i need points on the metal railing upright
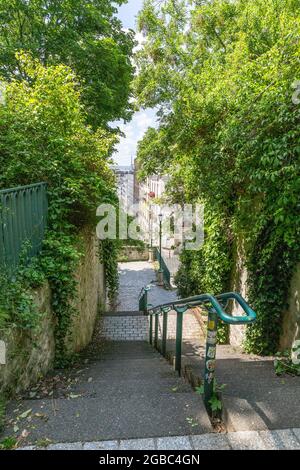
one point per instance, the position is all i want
(216, 307)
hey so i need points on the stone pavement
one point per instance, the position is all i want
(133, 277)
(286, 439)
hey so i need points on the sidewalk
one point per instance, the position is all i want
(133, 277)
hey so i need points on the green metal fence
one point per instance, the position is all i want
(23, 218)
(164, 267)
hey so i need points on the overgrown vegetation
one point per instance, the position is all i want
(223, 75)
(44, 137)
(288, 362)
(84, 35)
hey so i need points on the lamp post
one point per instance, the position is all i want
(160, 240)
(160, 272)
(151, 253)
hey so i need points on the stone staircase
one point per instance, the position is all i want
(126, 391)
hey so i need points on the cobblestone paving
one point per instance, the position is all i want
(133, 277)
(287, 439)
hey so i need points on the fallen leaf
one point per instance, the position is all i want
(25, 414)
(24, 434)
(72, 395)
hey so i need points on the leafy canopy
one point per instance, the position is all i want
(83, 34)
(221, 74)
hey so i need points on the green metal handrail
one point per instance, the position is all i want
(216, 306)
(164, 267)
(143, 299)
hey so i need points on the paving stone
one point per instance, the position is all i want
(247, 440)
(74, 446)
(296, 431)
(286, 440)
(210, 442)
(174, 443)
(27, 448)
(104, 445)
(133, 277)
(270, 440)
(138, 444)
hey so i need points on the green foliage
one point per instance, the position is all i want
(222, 75)
(108, 251)
(44, 137)
(2, 412)
(85, 35)
(215, 402)
(17, 306)
(8, 443)
(284, 363)
(208, 269)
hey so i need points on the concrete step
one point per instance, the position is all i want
(128, 397)
(140, 386)
(255, 398)
(115, 417)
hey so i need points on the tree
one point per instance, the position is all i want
(83, 34)
(222, 74)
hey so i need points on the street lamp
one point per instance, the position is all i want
(160, 217)
(160, 272)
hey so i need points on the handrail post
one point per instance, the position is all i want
(210, 356)
(151, 330)
(156, 332)
(165, 333)
(178, 342)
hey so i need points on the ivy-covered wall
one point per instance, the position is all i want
(31, 353)
(291, 317)
(290, 322)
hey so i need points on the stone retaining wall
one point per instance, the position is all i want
(133, 253)
(290, 318)
(30, 355)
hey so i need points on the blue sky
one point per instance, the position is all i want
(134, 131)
(128, 12)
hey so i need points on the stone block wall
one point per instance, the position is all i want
(30, 355)
(133, 253)
(291, 318)
(125, 328)
(90, 295)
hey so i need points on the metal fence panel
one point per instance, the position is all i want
(23, 219)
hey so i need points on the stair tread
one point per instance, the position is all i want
(89, 419)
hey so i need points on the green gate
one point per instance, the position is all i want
(23, 218)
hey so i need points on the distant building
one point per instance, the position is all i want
(151, 192)
(125, 186)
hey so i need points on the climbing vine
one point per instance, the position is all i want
(108, 251)
(208, 269)
(223, 75)
(44, 137)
